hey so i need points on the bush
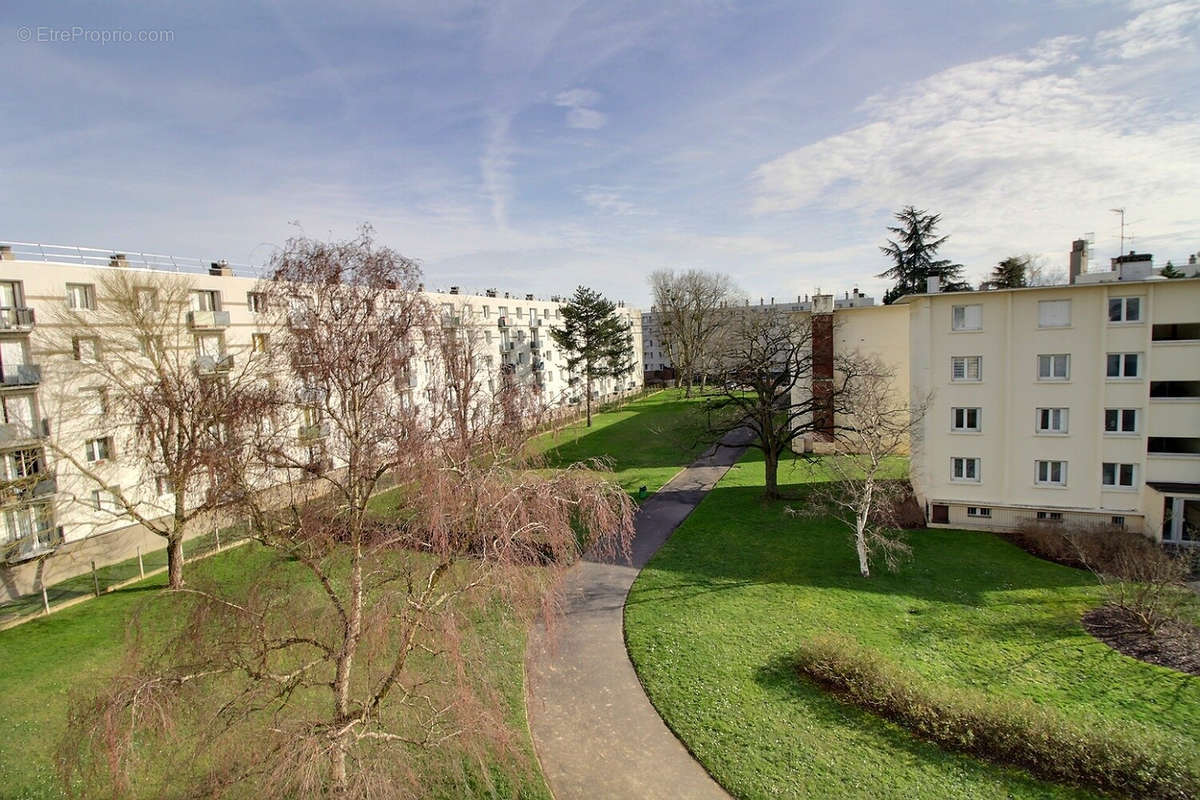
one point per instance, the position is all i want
(1008, 731)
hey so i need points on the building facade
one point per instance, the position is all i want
(47, 504)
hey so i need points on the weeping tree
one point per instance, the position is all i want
(596, 341)
(148, 378)
(914, 256)
(351, 667)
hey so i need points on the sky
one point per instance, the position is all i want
(537, 146)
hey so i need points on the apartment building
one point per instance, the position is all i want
(47, 503)
(1077, 403)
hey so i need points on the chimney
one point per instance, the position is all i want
(1079, 259)
(528, 297)
(932, 285)
(507, 296)
(453, 290)
(1191, 258)
(117, 260)
(490, 292)
(420, 287)
(220, 268)
(6, 253)
(822, 367)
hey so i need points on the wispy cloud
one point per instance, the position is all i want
(580, 113)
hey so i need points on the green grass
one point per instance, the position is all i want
(713, 620)
(647, 440)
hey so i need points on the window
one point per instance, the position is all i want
(1050, 516)
(1176, 332)
(1118, 521)
(967, 318)
(964, 469)
(1175, 390)
(1052, 420)
(1123, 365)
(1054, 313)
(1120, 420)
(966, 368)
(105, 500)
(24, 463)
(1054, 367)
(81, 296)
(965, 419)
(95, 401)
(258, 342)
(520, 311)
(206, 300)
(1174, 445)
(163, 485)
(98, 449)
(977, 511)
(146, 298)
(1123, 476)
(150, 346)
(1050, 473)
(1124, 309)
(87, 349)
(210, 344)
(256, 302)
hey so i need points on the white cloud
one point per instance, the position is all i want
(579, 114)
(1156, 29)
(1046, 140)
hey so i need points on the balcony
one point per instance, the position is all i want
(536, 322)
(502, 322)
(14, 432)
(30, 487)
(19, 320)
(208, 319)
(212, 365)
(20, 375)
(26, 546)
(451, 321)
(312, 433)
(538, 366)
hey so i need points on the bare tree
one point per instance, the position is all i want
(346, 681)
(878, 426)
(766, 384)
(691, 307)
(148, 375)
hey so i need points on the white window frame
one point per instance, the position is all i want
(256, 302)
(963, 413)
(92, 449)
(77, 344)
(979, 512)
(105, 500)
(88, 291)
(1123, 317)
(1049, 471)
(1117, 484)
(1053, 304)
(1120, 430)
(206, 297)
(1048, 414)
(975, 462)
(1122, 364)
(966, 317)
(966, 371)
(1054, 360)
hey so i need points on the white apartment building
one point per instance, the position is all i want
(47, 505)
(1075, 403)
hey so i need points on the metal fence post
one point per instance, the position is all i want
(95, 579)
(141, 565)
(217, 535)
(45, 599)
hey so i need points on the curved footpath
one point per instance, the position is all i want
(595, 732)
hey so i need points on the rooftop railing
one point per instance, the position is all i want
(117, 259)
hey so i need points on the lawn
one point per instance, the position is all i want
(713, 619)
(648, 440)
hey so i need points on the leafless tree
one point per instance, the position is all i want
(765, 383)
(346, 682)
(691, 307)
(878, 426)
(1038, 274)
(155, 386)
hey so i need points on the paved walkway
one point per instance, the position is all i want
(595, 731)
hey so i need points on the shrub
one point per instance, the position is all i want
(1012, 731)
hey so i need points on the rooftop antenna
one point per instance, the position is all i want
(1121, 211)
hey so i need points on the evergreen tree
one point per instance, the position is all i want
(1170, 271)
(1011, 273)
(595, 339)
(914, 256)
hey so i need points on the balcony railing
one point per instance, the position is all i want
(208, 319)
(25, 546)
(16, 319)
(12, 432)
(30, 487)
(502, 322)
(20, 374)
(208, 365)
(538, 366)
(450, 321)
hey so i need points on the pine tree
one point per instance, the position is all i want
(1170, 271)
(595, 339)
(1011, 273)
(914, 255)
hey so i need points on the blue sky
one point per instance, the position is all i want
(536, 146)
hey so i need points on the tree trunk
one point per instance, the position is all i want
(860, 544)
(771, 461)
(588, 401)
(175, 560)
(343, 675)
